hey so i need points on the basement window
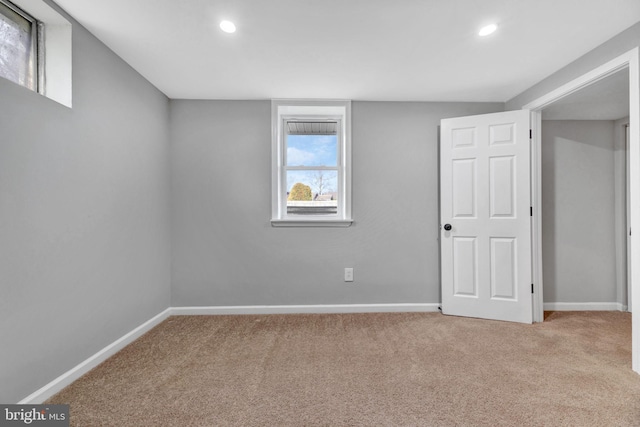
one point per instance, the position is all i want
(21, 51)
(35, 48)
(311, 163)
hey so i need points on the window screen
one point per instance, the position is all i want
(18, 46)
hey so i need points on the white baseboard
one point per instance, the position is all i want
(584, 306)
(305, 309)
(73, 374)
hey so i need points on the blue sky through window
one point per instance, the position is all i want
(312, 150)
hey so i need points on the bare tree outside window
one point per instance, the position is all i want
(323, 182)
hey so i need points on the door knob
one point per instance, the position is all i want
(447, 227)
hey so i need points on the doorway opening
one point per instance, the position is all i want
(584, 197)
(630, 62)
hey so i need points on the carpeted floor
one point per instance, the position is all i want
(409, 369)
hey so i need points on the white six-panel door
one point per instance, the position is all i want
(485, 201)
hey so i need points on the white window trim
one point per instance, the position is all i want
(57, 48)
(283, 109)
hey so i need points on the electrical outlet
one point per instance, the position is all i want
(348, 274)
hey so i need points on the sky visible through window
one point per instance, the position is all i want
(310, 151)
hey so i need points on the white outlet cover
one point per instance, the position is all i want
(348, 274)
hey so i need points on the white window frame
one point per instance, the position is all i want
(56, 39)
(285, 110)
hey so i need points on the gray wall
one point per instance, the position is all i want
(578, 211)
(224, 250)
(609, 50)
(84, 229)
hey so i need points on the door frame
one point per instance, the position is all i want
(627, 216)
(628, 60)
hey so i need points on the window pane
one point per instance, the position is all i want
(17, 59)
(312, 192)
(312, 150)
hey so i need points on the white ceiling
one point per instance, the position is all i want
(422, 50)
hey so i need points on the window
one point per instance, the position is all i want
(311, 163)
(21, 47)
(30, 32)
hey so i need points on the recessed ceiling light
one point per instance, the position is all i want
(485, 31)
(228, 27)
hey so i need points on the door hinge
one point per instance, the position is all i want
(530, 134)
(532, 288)
(530, 210)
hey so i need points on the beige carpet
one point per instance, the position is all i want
(366, 370)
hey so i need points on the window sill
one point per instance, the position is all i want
(311, 222)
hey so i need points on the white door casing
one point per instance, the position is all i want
(485, 198)
(627, 139)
